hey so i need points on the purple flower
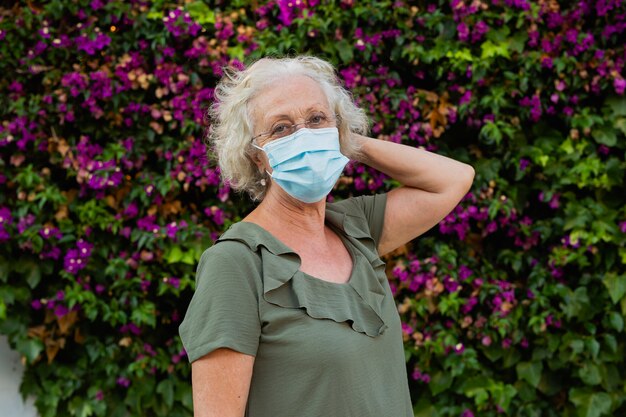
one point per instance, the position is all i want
(418, 375)
(479, 30)
(469, 305)
(466, 97)
(73, 262)
(131, 210)
(523, 163)
(179, 22)
(464, 272)
(60, 310)
(603, 150)
(123, 381)
(173, 281)
(130, 327)
(52, 253)
(147, 224)
(286, 11)
(463, 32)
(84, 248)
(622, 226)
(145, 284)
(91, 46)
(48, 232)
(173, 227)
(467, 413)
(96, 4)
(5, 217)
(450, 284)
(554, 201)
(36, 304)
(620, 85)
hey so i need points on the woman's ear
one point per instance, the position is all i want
(260, 160)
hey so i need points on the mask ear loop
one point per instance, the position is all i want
(263, 181)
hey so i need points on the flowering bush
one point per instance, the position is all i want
(513, 305)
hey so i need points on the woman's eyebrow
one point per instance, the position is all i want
(317, 107)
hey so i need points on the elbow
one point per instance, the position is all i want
(468, 177)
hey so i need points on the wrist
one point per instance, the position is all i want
(361, 147)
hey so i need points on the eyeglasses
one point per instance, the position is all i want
(281, 130)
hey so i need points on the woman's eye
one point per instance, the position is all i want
(279, 129)
(316, 120)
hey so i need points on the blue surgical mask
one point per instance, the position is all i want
(307, 163)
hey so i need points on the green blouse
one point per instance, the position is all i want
(321, 348)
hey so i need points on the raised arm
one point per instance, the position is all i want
(432, 186)
(220, 383)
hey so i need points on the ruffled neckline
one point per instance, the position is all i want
(357, 302)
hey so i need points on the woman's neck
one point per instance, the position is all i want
(279, 212)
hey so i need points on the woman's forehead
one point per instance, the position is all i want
(294, 96)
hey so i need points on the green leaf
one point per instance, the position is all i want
(5, 268)
(345, 50)
(30, 270)
(440, 382)
(476, 387)
(166, 389)
(616, 285)
(577, 304)
(605, 136)
(460, 55)
(490, 49)
(617, 105)
(200, 12)
(173, 255)
(424, 408)
(493, 352)
(236, 52)
(616, 320)
(189, 257)
(590, 374)
(530, 372)
(491, 132)
(620, 123)
(31, 348)
(589, 403)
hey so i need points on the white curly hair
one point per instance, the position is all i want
(232, 127)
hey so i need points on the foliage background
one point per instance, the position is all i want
(514, 305)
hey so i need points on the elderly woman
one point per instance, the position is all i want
(292, 314)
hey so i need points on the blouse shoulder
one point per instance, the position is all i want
(364, 213)
(223, 312)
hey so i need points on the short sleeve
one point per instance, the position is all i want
(370, 207)
(223, 312)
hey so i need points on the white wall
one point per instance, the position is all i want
(11, 369)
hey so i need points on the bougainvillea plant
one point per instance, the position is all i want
(513, 305)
